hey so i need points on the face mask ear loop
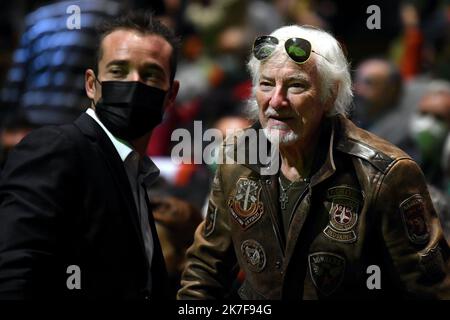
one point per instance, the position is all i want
(96, 79)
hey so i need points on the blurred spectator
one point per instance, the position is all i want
(410, 61)
(231, 124)
(378, 94)
(210, 16)
(430, 129)
(307, 11)
(176, 221)
(437, 40)
(424, 46)
(227, 125)
(263, 17)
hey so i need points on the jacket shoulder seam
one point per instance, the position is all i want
(378, 159)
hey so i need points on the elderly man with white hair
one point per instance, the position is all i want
(346, 215)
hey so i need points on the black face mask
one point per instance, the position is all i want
(130, 109)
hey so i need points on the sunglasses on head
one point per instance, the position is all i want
(298, 49)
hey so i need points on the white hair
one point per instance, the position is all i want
(332, 67)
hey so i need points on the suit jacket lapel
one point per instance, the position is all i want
(96, 134)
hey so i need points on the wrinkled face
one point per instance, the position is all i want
(288, 97)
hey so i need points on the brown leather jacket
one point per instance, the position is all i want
(364, 228)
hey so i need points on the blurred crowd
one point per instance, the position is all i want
(401, 75)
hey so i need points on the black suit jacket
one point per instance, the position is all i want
(65, 199)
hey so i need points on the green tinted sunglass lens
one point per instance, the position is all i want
(298, 49)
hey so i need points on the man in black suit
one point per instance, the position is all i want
(75, 220)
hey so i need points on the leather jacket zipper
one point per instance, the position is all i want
(274, 218)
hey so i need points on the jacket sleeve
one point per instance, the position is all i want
(417, 252)
(208, 273)
(35, 189)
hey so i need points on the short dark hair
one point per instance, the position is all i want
(143, 22)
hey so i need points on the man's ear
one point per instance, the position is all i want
(89, 83)
(332, 98)
(173, 92)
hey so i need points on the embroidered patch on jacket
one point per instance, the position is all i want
(433, 264)
(210, 221)
(413, 217)
(343, 213)
(327, 271)
(346, 237)
(254, 255)
(246, 207)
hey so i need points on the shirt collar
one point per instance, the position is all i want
(147, 167)
(122, 147)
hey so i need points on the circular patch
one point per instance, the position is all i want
(343, 216)
(254, 255)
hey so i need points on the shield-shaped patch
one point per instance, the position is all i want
(413, 216)
(343, 213)
(210, 221)
(327, 271)
(246, 208)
